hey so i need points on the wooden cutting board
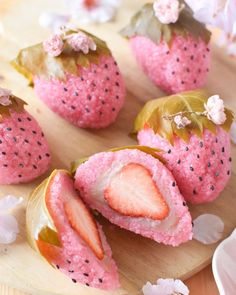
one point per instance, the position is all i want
(138, 259)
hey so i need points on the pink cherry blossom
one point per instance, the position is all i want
(167, 11)
(81, 42)
(5, 97)
(53, 45)
(181, 121)
(166, 287)
(215, 110)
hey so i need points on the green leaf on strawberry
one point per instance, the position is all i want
(148, 150)
(154, 112)
(145, 23)
(16, 104)
(34, 61)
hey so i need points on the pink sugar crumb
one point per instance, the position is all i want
(77, 260)
(184, 66)
(24, 151)
(201, 167)
(93, 176)
(91, 100)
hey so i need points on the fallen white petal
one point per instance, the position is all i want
(233, 132)
(208, 229)
(165, 287)
(8, 229)
(9, 202)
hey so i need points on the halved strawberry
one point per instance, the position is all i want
(132, 192)
(90, 3)
(83, 223)
(50, 252)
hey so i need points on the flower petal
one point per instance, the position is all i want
(233, 132)
(8, 229)
(9, 202)
(208, 229)
(165, 287)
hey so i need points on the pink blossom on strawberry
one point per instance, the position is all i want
(5, 97)
(81, 42)
(215, 110)
(167, 11)
(181, 121)
(53, 45)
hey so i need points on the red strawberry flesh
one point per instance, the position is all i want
(133, 192)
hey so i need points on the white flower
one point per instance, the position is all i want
(53, 45)
(53, 21)
(181, 121)
(92, 11)
(8, 223)
(167, 11)
(233, 132)
(5, 97)
(215, 110)
(166, 287)
(208, 229)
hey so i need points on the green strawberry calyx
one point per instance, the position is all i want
(9, 102)
(60, 54)
(184, 114)
(146, 23)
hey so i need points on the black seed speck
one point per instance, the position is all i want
(173, 184)
(230, 159)
(19, 175)
(103, 102)
(82, 79)
(113, 109)
(213, 152)
(106, 66)
(182, 82)
(100, 113)
(100, 280)
(39, 143)
(29, 154)
(212, 187)
(200, 178)
(73, 107)
(201, 144)
(198, 156)
(115, 63)
(19, 120)
(117, 73)
(89, 97)
(26, 140)
(194, 192)
(217, 174)
(4, 153)
(106, 90)
(47, 155)
(63, 102)
(186, 148)
(0, 141)
(29, 119)
(65, 89)
(177, 59)
(42, 134)
(87, 284)
(68, 261)
(107, 78)
(222, 162)
(14, 138)
(185, 48)
(57, 266)
(169, 151)
(173, 72)
(86, 274)
(195, 81)
(16, 153)
(223, 149)
(191, 168)
(21, 165)
(168, 52)
(192, 224)
(184, 204)
(192, 57)
(74, 281)
(8, 129)
(87, 110)
(35, 167)
(5, 165)
(228, 172)
(179, 161)
(94, 84)
(40, 157)
(22, 129)
(117, 97)
(216, 140)
(86, 261)
(209, 164)
(76, 93)
(117, 84)
(71, 271)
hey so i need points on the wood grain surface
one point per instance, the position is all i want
(138, 259)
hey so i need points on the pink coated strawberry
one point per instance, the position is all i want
(175, 56)
(79, 80)
(24, 151)
(197, 154)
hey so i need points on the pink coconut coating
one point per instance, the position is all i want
(182, 66)
(201, 167)
(24, 151)
(76, 259)
(93, 99)
(90, 175)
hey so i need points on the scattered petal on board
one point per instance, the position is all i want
(166, 287)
